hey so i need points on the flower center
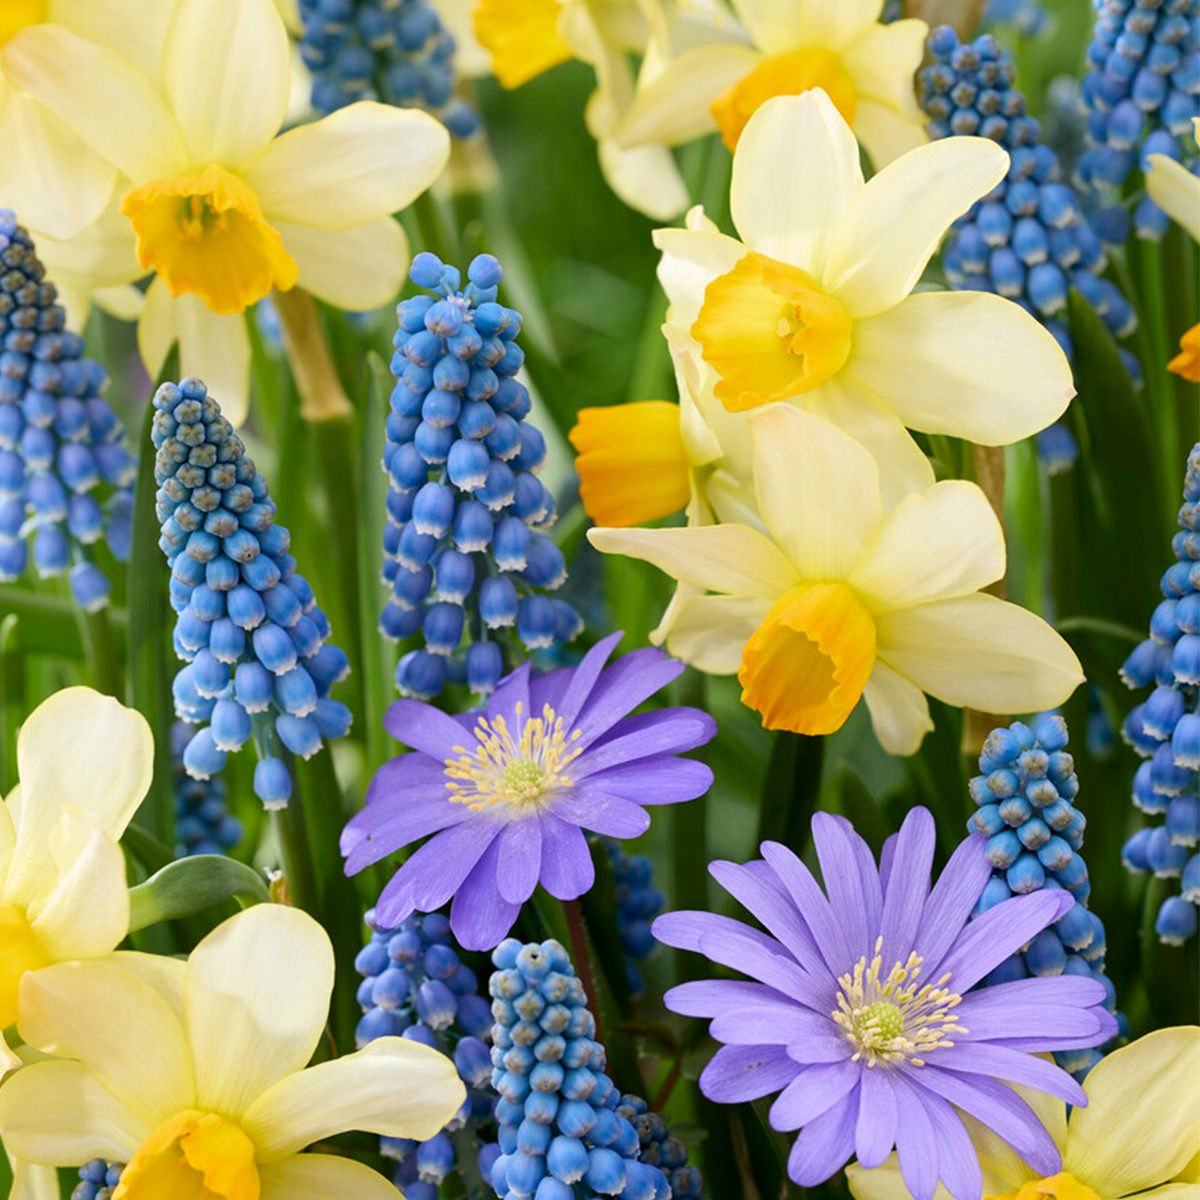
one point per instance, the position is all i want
(21, 950)
(192, 1156)
(16, 14)
(805, 667)
(1063, 1186)
(770, 331)
(783, 75)
(205, 234)
(521, 767)
(522, 36)
(895, 1018)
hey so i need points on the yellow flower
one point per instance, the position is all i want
(785, 48)
(194, 1073)
(85, 763)
(813, 305)
(223, 208)
(1139, 1134)
(841, 598)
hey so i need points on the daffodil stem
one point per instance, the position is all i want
(577, 931)
(101, 650)
(322, 397)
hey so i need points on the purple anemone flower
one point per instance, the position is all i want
(508, 792)
(860, 1013)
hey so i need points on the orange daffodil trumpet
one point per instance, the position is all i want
(839, 599)
(224, 208)
(195, 1074)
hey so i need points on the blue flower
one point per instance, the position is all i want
(638, 903)
(258, 666)
(203, 822)
(61, 445)
(97, 1180)
(660, 1149)
(1027, 17)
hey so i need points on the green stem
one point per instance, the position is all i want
(1148, 271)
(100, 649)
(292, 833)
(433, 230)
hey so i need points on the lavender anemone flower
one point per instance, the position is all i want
(509, 791)
(860, 1013)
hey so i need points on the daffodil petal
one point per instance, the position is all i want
(980, 652)
(817, 488)
(116, 1024)
(1176, 191)
(8, 838)
(355, 269)
(134, 29)
(788, 143)
(733, 559)
(214, 348)
(393, 1087)
(939, 543)
(1119, 1148)
(835, 24)
(899, 711)
(691, 259)
(8, 1060)
(886, 133)
(969, 364)
(123, 302)
(33, 1182)
(644, 177)
(156, 330)
(323, 1177)
(882, 60)
(361, 163)
(227, 71)
(256, 997)
(710, 632)
(778, 25)
(164, 975)
(897, 221)
(887, 1183)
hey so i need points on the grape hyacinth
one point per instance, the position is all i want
(467, 562)
(415, 986)
(1165, 728)
(1142, 90)
(1028, 18)
(638, 903)
(661, 1150)
(97, 1180)
(59, 439)
(203, 822)
(396, 51)
(1034, 834)
(258, 666)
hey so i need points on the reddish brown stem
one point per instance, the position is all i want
(583, 959)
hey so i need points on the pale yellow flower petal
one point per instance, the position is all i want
(134, 29)
(882, 61)
(165, 975)
(1176, 191)
(32, 1182)
(123, 302)
(1172, 1191)
(886, 1183)
(644, 177)
(8, 837)
(895, 224)
(886, 133)
(323, 1177)
(710, 632)
(1139, 1129)
(355, 269)
(393, 1087)
(227, 70)
(777, 25)
(833, 25)
(899, 710)
(691, 259)
(969, 364)
(256, 998)
(373, 161)
(8, 1060)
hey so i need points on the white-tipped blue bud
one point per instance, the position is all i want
(272, 783)
(202, 758)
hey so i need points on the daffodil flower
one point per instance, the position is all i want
(1139, 1134)
(785, 48)
(194, 1074)
(85, 763)
(841, 600)
(813, 304)
(223, 207)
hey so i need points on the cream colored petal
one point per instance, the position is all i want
(895, 224)
(886, 1183)
(732, 559)
(882, 62)
(980, 652)
(778, 209)
(885, 133)
(123, 302)
(1176, 191)
(256, 998)
(691, 259)
(778, 25)
(58, 1113)
(33, 1182)
(86, 913)
(939, 543)
(1139, 1128)
(470, 58)
(8, 838)
(997, 1158)
(899, 711)
(156, 331)
(8, 1060)
(1172, 1191)
(323, 1177)
(118, 1026)
(969, 364)
(165, 975)
(836, 25)
(817, 489)
(393, 1087)
(710, 632)
(216, 349)
(120, 113)
(644, 177)
(134, 29)
(363, 162)
(85, 750)
(227, 69)
(102, 255)
(355, 269)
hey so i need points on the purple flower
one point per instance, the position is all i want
(860, 1014)
(509, 792)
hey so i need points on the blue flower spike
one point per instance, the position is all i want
(203, 822)
(638, 903)
(248, 627)
(97, 1180)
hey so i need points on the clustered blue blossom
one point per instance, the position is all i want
(1027, 17)
(258, 665)
(1142, 90)
(466, 561)
(97, 1180)
(60, 441)
(660, 1149)
(1025, 796)
(397, 51)
(1028, 239)
(1165, 728)
(638, 903)
(203, 822)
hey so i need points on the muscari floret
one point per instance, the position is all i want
(638, 903)
(97, 1180)
(203, 822)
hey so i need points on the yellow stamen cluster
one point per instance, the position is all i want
(895, 1019)
(521, 767)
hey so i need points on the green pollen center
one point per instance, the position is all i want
(523, 780)
(882, 1019)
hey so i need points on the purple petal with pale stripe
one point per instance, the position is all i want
(591, 808)
(656, 781)
(950, 903)
(812, 905)
(520, 860)
(711, 997)
(736, 1074)
(743, 952)
(398, 775)
(907, 885)
(825, 1145)
(769, 1025)
(633, 678)
(878, 1116)
(839, 872)
(372, 834)
(916, 1147)
(831, 1045)
(480, 917)
(583, 681)
(1051, 1025)
(512, 690)
(567, 868)
(424, 728)
(428, 879)
(998, 1062)
(667, 731)
(549, 688)
(958, 1163)
(813, 1092)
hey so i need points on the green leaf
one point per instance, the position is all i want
(791, 788)
(192, 885)
(600, 915)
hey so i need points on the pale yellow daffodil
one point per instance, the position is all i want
(195, 1074)
(85, 763)
(785, 48)
(223, 207)
(1139, 1134)
(842, 599)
